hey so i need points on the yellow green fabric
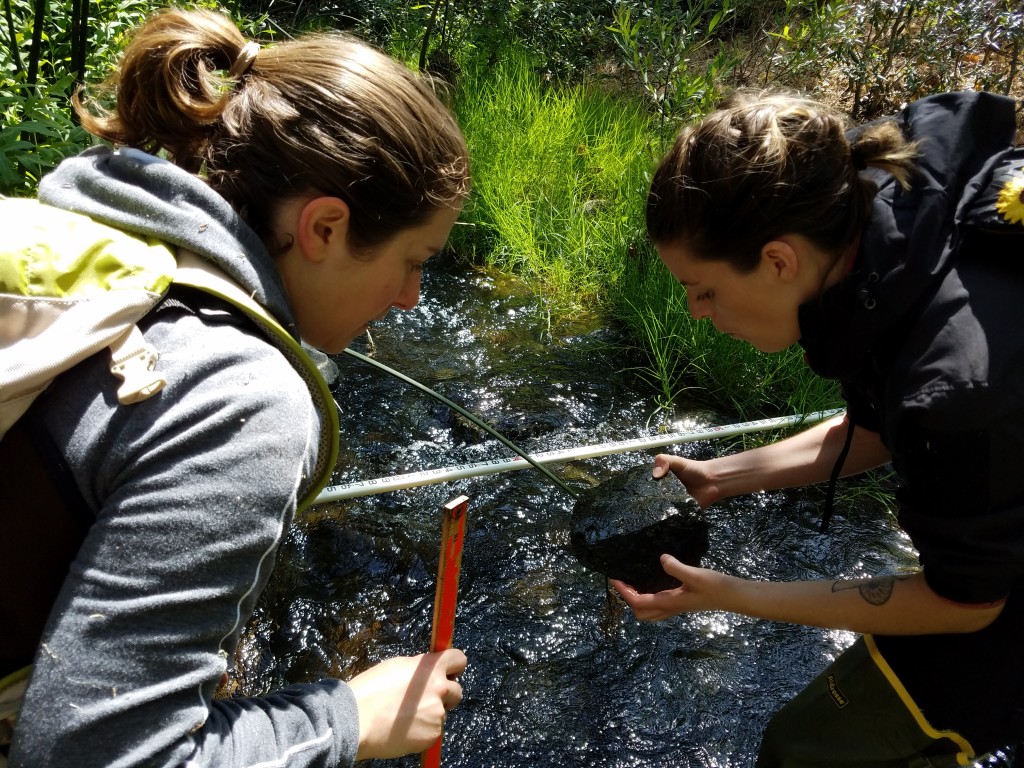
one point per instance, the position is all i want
(12, 691)
(53, 253)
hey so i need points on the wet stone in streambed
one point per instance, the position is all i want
(622, 526)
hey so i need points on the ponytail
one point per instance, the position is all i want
(884, 146)
(171, 87)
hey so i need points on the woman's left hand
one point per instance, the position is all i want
(883, 605)
(699, 590)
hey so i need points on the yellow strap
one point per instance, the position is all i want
(15, 677)
(966, 754)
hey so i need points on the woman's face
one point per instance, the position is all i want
(336, 297)
(759, 307)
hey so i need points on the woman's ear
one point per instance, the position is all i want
(782, 258)
(322, 226)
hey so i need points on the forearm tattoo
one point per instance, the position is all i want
(876, 590)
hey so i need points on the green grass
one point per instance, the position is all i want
(559, 180)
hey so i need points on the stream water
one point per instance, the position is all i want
(559, 676)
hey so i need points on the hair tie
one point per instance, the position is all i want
(858, 159)
(244, 60)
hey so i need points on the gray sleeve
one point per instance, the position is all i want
(192, 490)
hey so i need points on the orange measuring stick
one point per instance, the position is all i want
(453, 529)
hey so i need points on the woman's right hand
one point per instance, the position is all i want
(403, 702)
(693, 474)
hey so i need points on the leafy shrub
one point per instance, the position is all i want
(892, 51)
(43, 59)
(659, 42)
(37, 133)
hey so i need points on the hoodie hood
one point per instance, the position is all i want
(146, 195)
(908, 246)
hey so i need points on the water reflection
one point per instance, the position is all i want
(554, 679)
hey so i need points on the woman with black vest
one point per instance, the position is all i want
(893, 253)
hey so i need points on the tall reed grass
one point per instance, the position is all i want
(559, 177)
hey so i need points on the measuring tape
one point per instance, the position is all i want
(494, 466)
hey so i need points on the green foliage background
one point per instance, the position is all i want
(567, 107)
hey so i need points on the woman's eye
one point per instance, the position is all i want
(705, 295)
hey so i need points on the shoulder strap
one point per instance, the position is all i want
(196, 272)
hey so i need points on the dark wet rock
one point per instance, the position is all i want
(623, 526)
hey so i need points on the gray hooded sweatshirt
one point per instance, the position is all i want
(192, 490)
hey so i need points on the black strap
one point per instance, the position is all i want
(45, 520)
(837, 468)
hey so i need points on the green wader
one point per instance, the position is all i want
(857, 714)
(12, 690)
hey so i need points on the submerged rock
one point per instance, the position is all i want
(622, 526)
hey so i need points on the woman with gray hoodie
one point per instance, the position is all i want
(319, 175)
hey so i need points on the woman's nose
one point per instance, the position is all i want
(698, 309)
(410, 294)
